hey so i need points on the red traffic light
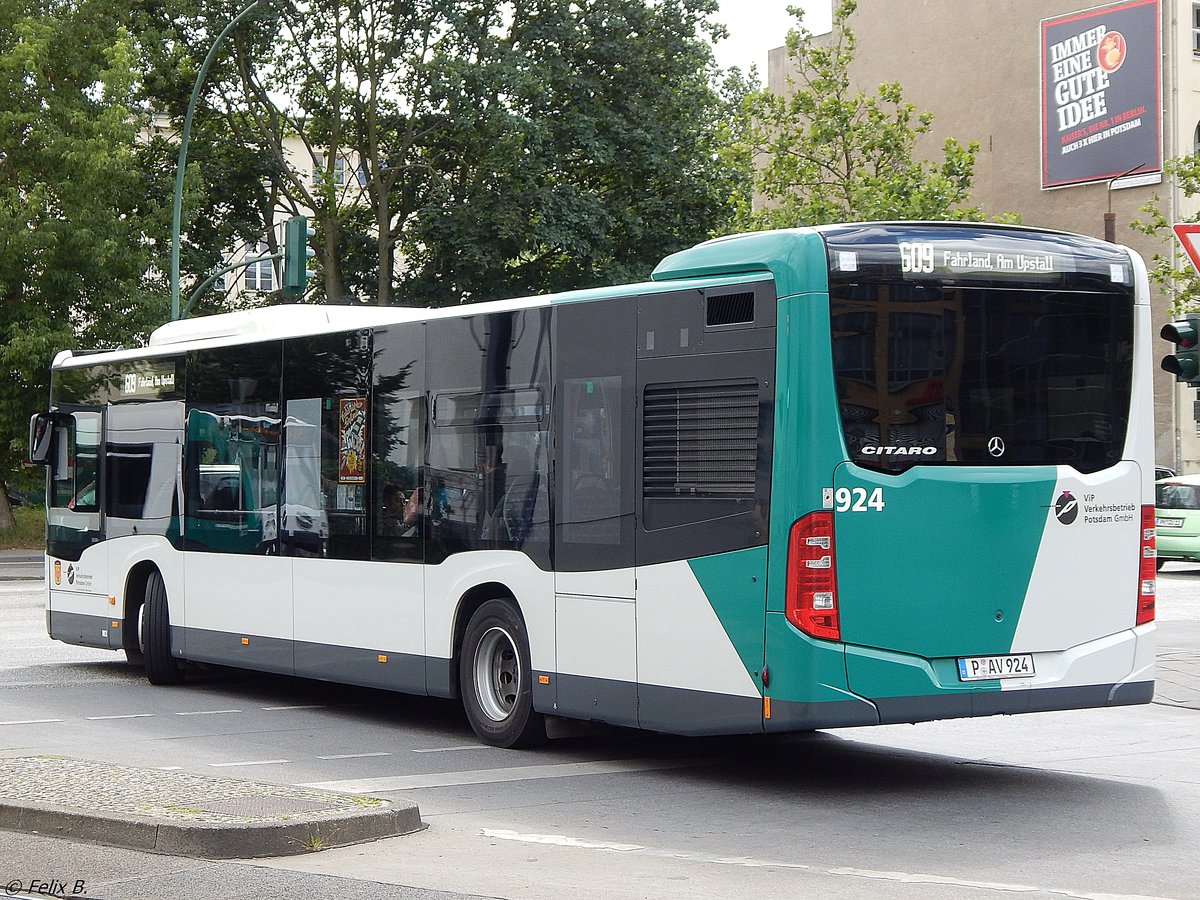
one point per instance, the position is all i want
(1182, 334)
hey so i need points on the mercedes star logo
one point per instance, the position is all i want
(996, 446)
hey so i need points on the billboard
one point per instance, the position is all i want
(1101, 93)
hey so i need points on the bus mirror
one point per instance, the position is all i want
(41, 437)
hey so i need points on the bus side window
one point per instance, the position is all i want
(488, 435)
(76, 474)
(400, 496)
(327, 438)
(592, 487)
(232, 458)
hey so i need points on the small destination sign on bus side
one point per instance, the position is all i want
(145, 378)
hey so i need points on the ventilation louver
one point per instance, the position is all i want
(730, 309)
(700, 440)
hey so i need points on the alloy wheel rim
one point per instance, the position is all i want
(497, 674)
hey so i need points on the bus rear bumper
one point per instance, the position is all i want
(896, 710)
(1116, 670)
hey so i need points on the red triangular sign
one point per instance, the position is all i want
(1189, 236)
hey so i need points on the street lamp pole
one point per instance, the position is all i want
(184, 135)
(1110, 217)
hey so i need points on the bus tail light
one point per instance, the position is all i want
(812, 604)
(1147, 579)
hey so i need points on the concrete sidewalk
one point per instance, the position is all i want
(21, 565)
(183, 814)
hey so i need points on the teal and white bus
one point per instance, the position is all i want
(834, 476)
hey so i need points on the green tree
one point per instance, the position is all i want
(73, 265)
(491, 148)
(228, 199)
(1180, 283)
(825, 151)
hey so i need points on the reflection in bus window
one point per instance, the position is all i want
(75, 476)
(231, 482)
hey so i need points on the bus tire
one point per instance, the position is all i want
(161, 666)
(496, 680)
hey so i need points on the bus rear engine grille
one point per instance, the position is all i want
(700, 439)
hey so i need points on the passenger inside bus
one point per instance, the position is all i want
(401, 515)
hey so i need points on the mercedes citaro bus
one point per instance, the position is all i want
(833, 476)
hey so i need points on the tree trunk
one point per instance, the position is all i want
(383, 225)
(6, 515)
(331, 264)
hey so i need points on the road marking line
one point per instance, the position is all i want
(208, 712)
(30, 721)
(491, 776)
(448, 749)
(251, 762)
(129, 716)
(562, 840)
(353, 755)
(558, 840)
(169, 768)
(309, 706)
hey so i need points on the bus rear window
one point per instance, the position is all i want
(992, 374)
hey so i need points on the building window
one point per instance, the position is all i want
(1196, 29)
(339, 169)
(1196, 140)
(260, 276)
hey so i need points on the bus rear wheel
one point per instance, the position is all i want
(161, 666)
(495, 677)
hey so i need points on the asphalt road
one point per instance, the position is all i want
(1087, 803)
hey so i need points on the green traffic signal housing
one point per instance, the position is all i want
(296, 254)
(1184, 363)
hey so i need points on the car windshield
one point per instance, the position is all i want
(1177, 496)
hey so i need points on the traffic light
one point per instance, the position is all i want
(296, 254)
(1184, 363)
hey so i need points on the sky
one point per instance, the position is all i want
(757, 26)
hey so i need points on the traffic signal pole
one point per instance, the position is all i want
(181, 162)
(208, 282)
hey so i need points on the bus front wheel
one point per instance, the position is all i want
(495, 678)
(161, 666)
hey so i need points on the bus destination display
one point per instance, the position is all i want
(923, 258)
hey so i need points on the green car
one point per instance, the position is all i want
(1177, 519)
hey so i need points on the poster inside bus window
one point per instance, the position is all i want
(352, 428)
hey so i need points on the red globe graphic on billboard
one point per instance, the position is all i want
(1111, 52)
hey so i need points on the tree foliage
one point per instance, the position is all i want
(73, 265)
(503, 147)
(827, 152)
(1180, 282)
(496, 148)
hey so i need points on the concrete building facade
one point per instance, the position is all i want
(976, 65)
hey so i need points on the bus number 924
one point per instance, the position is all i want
(857, 500)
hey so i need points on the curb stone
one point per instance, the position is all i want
(184, 814)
